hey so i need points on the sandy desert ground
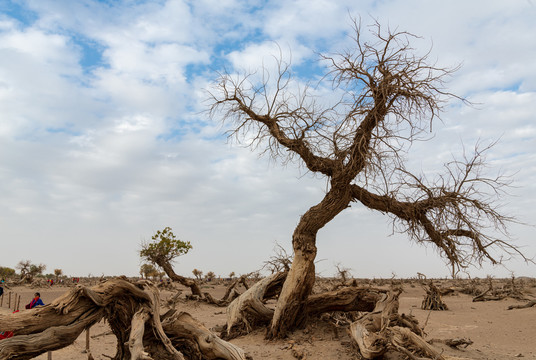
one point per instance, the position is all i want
(497, 333)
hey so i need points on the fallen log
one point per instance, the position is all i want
(524, 306)
(344, 299)
(135, 343)
(22, 347)
(133, 315)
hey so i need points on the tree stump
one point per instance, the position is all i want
(432, 300)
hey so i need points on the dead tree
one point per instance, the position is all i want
(388, 96)
(134, 318)
(280, 261)
(432, 299)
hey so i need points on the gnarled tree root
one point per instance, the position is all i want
(133, 315)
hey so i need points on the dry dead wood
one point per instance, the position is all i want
(384, 330)
(432, 300)
(453, 343)
(230, 292)
(135, 342)
(183, 326)
(344, 299)
(524, 306)
(488, 296)
(133, 315)
(509, 290)
(23, 347)
(249, 309)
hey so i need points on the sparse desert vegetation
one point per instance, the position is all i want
(489, 329)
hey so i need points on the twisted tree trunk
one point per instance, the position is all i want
(289, 312)
(192, 284)
(133, 315)
(249, 309)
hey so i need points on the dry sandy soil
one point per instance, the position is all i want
(497, 333)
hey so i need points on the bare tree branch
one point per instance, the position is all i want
(355, 126)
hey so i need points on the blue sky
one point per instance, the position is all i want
(103, 138)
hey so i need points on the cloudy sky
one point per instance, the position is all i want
(103, 138)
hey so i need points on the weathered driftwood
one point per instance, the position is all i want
(345, 299)
(249, 310)
(135, 343)
(182, 325)
(133, 315)
(384, 330)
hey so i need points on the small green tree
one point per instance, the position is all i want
(6, 272)
(163, 250)
(147, 270)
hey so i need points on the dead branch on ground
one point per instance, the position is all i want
(133, 315)
(384, 331)
(524, 306)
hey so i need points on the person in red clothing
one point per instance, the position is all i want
(6, 334)
(35, 301)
